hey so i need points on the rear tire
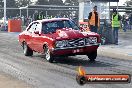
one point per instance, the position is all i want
(47, 55)
(92, 56)
(27, 50)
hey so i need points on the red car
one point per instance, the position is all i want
(58, 37)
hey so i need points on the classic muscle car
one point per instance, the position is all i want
(58, 37)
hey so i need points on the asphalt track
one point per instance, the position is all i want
(38, 72)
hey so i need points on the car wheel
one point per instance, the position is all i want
(47, 55)
(26, 50)
(92, 56)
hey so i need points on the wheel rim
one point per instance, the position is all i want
(24, 48)
(47, 54)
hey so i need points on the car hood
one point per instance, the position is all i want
(72, 34)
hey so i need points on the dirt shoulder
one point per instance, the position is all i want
(7, 81)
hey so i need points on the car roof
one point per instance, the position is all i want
(53, 19)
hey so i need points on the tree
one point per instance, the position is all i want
(72, 2)
(1, 3)
(1, 6)
(9, 4)
(128, 4)
(42, 2)
(11, 12)
(56, 2)
(50, 2)
(22, 3)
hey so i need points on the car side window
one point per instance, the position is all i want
(66, 24)
(32, 28)
(38, 27)
(49, 27)
(45, 28)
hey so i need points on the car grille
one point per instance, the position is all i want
(82, 41)
(76, 42)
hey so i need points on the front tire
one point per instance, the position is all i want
(92, 56)
(47, 55)
(26, 50)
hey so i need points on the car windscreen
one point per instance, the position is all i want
(51, 27)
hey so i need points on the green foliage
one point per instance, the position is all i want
(42, 2)
(56, 2)
(49, 2)
(22, 3)
(9, 4)
(72, 2)
(128, 4)
(1, 3)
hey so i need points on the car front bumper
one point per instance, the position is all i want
(79, 50)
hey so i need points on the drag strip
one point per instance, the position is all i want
(38, 72)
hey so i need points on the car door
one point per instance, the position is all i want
(30, 33)
(37, 38)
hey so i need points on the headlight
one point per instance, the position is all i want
(91, 40)
(61, 44)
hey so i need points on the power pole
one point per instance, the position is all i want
(5, 14)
